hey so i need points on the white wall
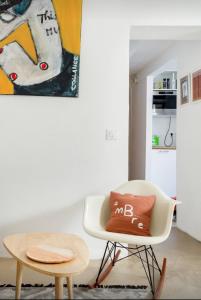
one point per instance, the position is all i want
(138, 130)
(53, 152)
(187, 55)
(189, 148)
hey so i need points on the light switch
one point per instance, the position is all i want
(111, 135)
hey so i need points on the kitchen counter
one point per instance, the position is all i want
(163, 148)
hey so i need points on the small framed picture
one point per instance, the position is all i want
(196, 85)
(185, 89)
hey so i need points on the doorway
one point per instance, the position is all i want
(153, 102)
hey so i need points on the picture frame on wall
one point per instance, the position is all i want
(185, 89)
(196, 85)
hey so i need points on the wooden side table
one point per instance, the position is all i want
(18, 244)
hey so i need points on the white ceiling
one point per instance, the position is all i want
(143, 52)
(165, 33)
(148, 42)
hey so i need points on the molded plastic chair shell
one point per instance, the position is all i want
(97, 213)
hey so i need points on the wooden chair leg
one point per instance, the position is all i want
(70, 287)
(58, 288)
(18, 280)
(161, 281)
(105, 271)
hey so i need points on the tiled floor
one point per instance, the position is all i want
(183, 279)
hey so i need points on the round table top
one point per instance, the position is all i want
(18, 244)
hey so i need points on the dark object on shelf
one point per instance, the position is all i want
(165, 102)
(164, 83)
(168, 83)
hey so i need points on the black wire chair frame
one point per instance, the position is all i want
(149, 263)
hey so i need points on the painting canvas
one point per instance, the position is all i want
(40, 47)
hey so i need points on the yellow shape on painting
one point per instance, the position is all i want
(69, 14)
(69, 17)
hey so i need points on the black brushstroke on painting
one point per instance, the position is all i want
(63, 85)
(6, 4)
(18, 6)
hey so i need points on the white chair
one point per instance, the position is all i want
(97, 213)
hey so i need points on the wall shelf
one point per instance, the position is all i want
(164, 89)
(163, 116)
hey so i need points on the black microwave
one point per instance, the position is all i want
(165, 100)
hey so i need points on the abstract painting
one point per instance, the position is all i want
(40, 47)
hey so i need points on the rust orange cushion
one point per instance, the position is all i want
(130, 214)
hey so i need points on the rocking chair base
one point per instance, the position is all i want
(106, 271)
(147, 258)
(161, 281)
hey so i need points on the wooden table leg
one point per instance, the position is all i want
(70, 287)
(18, 280)
(58, 288)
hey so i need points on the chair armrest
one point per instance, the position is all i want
(177, 202)
(162, 216)
(92, 213)
(172, 201)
